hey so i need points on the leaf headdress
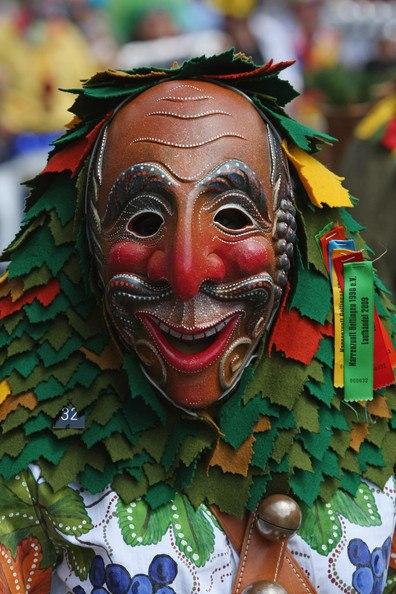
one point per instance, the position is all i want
(294, 432)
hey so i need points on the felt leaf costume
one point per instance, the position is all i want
(284, 428)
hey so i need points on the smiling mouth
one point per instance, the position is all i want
(189, 351)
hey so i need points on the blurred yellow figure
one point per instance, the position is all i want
(36, 59)
(235, 8)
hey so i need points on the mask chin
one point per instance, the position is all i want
(186, 399)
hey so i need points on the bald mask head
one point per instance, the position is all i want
(192, 227)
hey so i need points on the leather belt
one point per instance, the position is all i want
(261, 559)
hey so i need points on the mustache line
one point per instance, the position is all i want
(254, 288)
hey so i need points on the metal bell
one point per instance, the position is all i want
(264, 587)
(279, 516)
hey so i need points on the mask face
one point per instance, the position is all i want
(192, 230)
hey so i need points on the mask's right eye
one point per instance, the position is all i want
(145, 224)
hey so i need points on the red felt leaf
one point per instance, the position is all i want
(296, 336)
(71, 157)
(45, 295)
(268, 68)
(389, 138)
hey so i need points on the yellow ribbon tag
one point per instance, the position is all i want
(322, 185)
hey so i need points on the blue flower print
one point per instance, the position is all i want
(371, 567)
(116, 579)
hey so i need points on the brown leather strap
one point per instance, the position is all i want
(261, 559)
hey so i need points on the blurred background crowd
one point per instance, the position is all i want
(345, 70)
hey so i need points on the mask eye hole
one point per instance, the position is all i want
(232, 219)
(145, 224)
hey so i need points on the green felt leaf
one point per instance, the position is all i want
(278, 379)
(321, 528)
(41, 445)
(59, 196)
(140, 524)
(311, 294)
(38, 423)
(325, 353)
(192, 530)
(324, 391)
(360, 510)
(313, 222)
(214, 486)
(303, 136)
(140, 387)
(37, 278)
(247, 410)
(307, 413)
(20, 345)
(306, 485)
(351, 225)
(257, 491)
(71, 464)
(369, 454)
(315, 371)
(40, 250)
(158, 495)
(298, 458)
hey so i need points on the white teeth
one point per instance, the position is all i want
(190, 337)
(211, 332)
(175, 334)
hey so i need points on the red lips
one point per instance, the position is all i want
(187, 362)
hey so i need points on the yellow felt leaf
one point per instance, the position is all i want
(3, 278)
(322, 185)
(379, 407)
(5, 390)
(358, 435)
(263, 424)
(382, 113)
(27, 400)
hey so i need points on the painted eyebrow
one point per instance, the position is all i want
(235, 175)
(142, 178)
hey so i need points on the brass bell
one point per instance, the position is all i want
(279, 516)
(264, 587)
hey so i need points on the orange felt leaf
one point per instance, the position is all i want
(27, 400)
(16, 574)
(234, 461)
(378, 407)
(263, 424)
(108, 359)
(300, 343)
(358, 435)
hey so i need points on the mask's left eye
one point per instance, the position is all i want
(145, 224)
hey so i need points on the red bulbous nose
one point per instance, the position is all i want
(185, 270)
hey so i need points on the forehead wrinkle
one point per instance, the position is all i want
(153, 140)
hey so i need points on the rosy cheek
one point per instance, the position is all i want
(250, 256)
(128, 257)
